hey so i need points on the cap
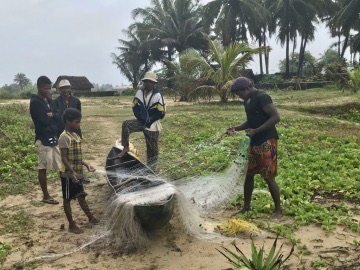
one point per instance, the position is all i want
(150, 76)
(241, 84)
(63, 83)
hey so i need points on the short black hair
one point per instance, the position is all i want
(42, 80)
(71, 114)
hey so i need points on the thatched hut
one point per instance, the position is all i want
(80, 85)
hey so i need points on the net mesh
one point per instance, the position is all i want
(136, 187)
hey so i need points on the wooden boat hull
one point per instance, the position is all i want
(151, 216)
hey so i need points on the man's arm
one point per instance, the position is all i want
(38, 110)
(270, 110)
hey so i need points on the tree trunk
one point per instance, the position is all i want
(223, 95)
(287, 70)
(302, 55)
(344, 45)
(266, 56)
(260, 57)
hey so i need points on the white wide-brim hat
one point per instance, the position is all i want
(150, 76)
(64, 83)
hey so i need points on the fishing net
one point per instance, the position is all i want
(138, 186)
(213, 191)
(135, 188)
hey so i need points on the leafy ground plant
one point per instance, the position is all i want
(259, 260)
(4, 251)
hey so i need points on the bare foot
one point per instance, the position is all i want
(242, 211)
(277, 214)
(49, 200)
(124, 151)
(75, 229)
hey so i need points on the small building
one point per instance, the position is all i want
(80, 85)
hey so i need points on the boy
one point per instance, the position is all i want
(261, 118)
(43, 114)
(72, 170)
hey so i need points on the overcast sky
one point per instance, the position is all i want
(77, 37)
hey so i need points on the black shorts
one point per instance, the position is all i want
(71, 190)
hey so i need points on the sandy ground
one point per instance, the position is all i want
(170, 248)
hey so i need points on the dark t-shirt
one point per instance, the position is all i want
(256, 117)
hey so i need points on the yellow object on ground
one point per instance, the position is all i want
(133, 151)
(237, 226)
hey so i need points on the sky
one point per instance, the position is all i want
(77, 37)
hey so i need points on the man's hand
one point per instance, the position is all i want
(230, 131)
(50, 114)
(74, 177)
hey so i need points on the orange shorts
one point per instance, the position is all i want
(262, 159)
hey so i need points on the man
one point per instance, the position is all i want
(63, 101)
(43, 114)
(262, 117)
(148, 108)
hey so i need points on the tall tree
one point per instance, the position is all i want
(175, 24)
(232, 19)
(347, 19)
(136, 56)
(21, 80)
(133, 70)
(221, 66)
(306, 30)
(287, 14)
(258, 30)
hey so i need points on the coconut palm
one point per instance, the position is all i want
(232, 19)
(346, 19)
(288, 15)
(136, 56)
(306, 30)
(21, 80)
(175, 24)
(132, 70)
(259, 31)
(221, 66)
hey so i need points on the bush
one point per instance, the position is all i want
(338, 73)
(272, 79)
(6, 95)
(128, 92)
(355, 80)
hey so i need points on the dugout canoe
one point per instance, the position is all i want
(129, 174)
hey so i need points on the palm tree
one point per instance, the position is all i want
(21, 80)
(347, 18)
(175, 24)
(306, 30)
(134, 58)
(233, 18)
(133, 70)
(258, 30)
(288, 15)
(221, 66)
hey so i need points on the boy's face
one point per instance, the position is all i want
(44, 90)
(74, 125)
